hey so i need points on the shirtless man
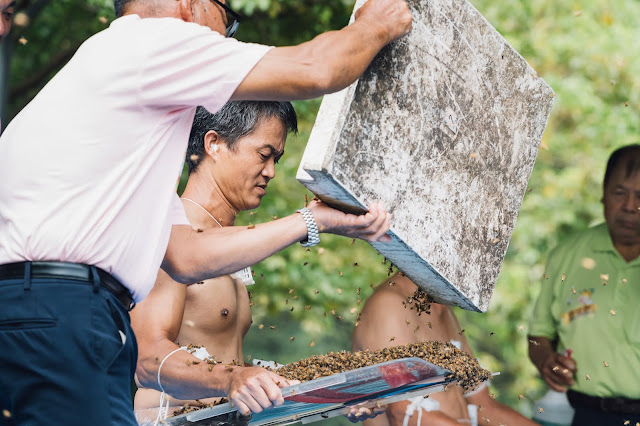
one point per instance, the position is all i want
(375, 331)
(232, 156)
(6, 9)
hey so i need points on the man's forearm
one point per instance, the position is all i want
(183, 376)
(539, 350)
(195, 256)
(329, 62)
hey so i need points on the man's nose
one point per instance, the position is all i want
(631, 203)
(269, 169)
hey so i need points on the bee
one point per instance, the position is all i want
(353, 241)
(612, 312)
(407, 321)
(359, 301)
(272, 327)
(199, 230)
(353, 310)
(521, 328)
(355, 263)
(492, 333)
(573, 290)
(546, 277)
(534, 342)
(316, 291)
(292, 338)
(384, 261)
(248, 357)
(6, 413)
(605, 363)
(563, 277)
(626, 422)
(312, 344)
(520, 396)
(291, 309)
(392, 339)
(261, 326)
(305, 263)
(307, 307)
(555, 368)
(540, 410)
(103, 20)
(333, 311)
(460, 332)
(358, 291)
(355, 324)
(210, 368)
(495, 240)
(624, 281)
(251, 214)
(275, 218)
(428, 325)
(188, 362)
(193, 157)
(157, 360)
(340, 273)
(252, 226)
(23, 41)
(339, 291)
(339, 317)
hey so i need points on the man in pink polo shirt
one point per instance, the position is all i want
(87, 208)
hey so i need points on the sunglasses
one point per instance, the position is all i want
(232, 17)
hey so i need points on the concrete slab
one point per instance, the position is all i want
(444, 128)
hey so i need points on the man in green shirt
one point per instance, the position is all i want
(585, 329)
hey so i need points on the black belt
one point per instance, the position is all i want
(69, 271)
(608, 405)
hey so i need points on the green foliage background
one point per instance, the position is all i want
(586, 50)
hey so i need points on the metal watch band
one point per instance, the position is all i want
(313, 236)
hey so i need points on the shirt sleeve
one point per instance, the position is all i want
(177, 215)
(185, 64)
(542, 322)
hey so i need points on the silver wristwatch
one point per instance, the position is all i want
(313, 236)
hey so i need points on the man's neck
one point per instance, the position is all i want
(209, 197)
(629, 252)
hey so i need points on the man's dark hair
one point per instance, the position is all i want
(119, 5)
(630, 155)
(233, 121)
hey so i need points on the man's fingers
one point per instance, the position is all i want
(240, 406)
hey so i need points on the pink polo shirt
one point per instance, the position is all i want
(88, 168)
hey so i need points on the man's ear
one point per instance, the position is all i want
(212, 142)
(186, 10)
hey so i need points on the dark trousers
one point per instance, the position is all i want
(67, 355)
(595, 417)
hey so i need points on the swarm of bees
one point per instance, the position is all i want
(419, 301)
(465, 369)
(189, 408)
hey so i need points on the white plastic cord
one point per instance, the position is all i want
(163, 411)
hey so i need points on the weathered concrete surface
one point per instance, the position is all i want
(444, 128)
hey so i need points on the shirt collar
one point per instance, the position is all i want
(602, 243)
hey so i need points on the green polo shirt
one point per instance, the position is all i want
(589, 300)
